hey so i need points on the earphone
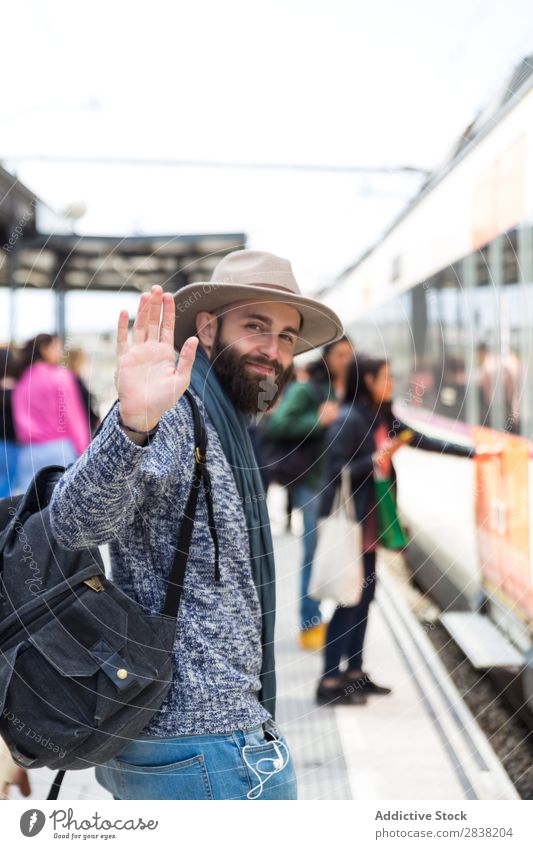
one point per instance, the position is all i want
(278, 763)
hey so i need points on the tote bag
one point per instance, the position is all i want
(337, 571)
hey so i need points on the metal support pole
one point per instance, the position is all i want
(60, 314)
(59, 287)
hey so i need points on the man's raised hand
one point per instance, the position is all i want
(147, 380)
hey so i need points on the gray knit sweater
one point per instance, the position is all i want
(133, 497)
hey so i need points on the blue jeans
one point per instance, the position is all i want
(8, 467)
(239, 765)
(306, 500)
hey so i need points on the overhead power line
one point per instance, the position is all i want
(192, 163)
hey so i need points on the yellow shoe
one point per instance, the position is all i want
(313, 639)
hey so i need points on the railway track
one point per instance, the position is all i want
(477, 714)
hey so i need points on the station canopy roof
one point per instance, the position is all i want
(111, 263)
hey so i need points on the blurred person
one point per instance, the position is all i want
(506, 369)
(487, 375)
(259, 438)
(305, 412)
(77, 362)
(364, 438)
(301, 373)
(8, 437)
(512, 377)
(51, 425)
(262, 443)
(130, 487)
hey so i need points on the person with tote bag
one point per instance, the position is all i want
(362, 442)
(295, 434)
(337, 568)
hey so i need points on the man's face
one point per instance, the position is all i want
(253, 352)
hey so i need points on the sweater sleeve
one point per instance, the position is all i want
(97, 495)
(427, 443)
(296, 416)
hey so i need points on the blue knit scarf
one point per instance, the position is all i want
(232, 428)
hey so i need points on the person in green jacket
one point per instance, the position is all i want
(306, 410)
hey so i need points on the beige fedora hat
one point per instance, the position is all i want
(258, 276)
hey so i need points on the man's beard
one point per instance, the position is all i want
(254, 394)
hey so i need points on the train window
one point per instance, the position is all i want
(449, 277)
(516, 313)
(438, 328)
(459, 341)
(482, 266)
(510, 271)
(3, 267)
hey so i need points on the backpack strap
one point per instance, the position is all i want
(56, 786)
(200, 477)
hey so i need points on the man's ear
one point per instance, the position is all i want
(206, 328)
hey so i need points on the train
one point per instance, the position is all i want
(446, 295)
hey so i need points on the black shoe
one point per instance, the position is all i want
(366, 686)
(341, 695)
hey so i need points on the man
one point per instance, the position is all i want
(214, 736)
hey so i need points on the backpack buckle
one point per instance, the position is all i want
(199, 458)
(95, 584)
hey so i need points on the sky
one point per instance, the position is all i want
(376, 85)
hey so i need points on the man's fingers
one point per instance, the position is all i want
(169, 319)
(122, 333)
(186, 358)
(154, 315)
(23, 783)
(18, 778)
(141, 320)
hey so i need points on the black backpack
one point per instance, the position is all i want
(289, 461)
(83, 667)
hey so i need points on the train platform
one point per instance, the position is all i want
(419, 742)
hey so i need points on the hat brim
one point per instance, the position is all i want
(320, 324)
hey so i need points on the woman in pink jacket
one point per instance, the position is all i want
(50, 422)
